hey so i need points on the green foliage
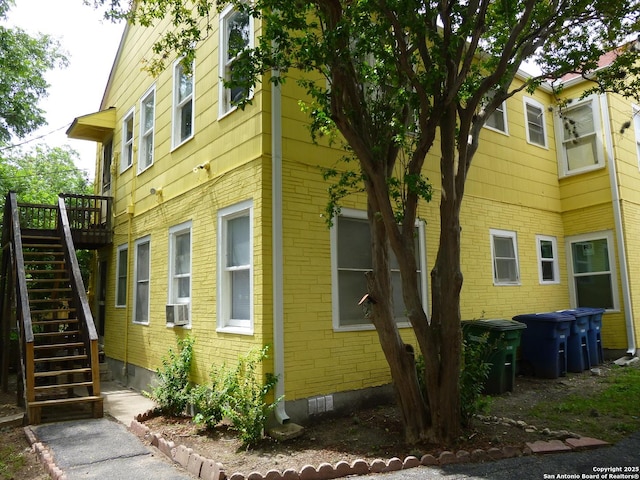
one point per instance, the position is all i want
(24, 61)
(11, 461)
(173, 392)
(238, 394)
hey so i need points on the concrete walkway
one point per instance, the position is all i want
(104, 449)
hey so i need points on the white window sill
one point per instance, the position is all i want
(235, 330)
(184, 327)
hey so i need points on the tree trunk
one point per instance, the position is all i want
(399, 355)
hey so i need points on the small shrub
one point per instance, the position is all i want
(172, 394)
(208, 401)
(244, 396)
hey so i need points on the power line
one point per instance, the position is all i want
(34, 138)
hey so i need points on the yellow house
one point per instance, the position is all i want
(219, 231)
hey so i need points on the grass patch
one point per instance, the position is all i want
(610, 413)
(11, 461)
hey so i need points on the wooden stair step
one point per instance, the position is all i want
(49, 300)
(63, 401)
(45, 388)
(48, 280)
(65, 358)
(57, 373)
(59, 346)
(44, 262)
(56, 334)
(52, 321)
(41, 270)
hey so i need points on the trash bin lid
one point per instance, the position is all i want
(545, 317)
(577, 312)
(499, 324)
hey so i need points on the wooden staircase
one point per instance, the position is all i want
(43, 299)
(63, 375)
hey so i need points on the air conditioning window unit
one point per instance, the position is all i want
(178, 314)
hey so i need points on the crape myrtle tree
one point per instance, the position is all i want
(404, 82)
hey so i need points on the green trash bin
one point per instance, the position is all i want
(504, 336)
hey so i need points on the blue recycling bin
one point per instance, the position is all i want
(594, 337)
(544, 342)
(578, 358)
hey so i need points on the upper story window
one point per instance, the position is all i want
(235, 269)
(107, 156)
(579, 137)
(121, 275)
(498, 119)
(351, 258)
(236, 32)
(548, 268)
(127, 141)
(504, 253)
(636, 127)
(183, 109)
(147, 123)
(535, 122)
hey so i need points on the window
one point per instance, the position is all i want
(180, 263)
(535, 122)
(107, 155)
(636, 127)
(127, 141)
(351, 258)
(593, 277)
(141, 299)
(548, 269)
(235, 268)
(236, 32)
(498, 119)
(578, 133)
(504, 253)
(121, 275)
(147, 120)
(183, 111)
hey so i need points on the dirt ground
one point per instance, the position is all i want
(366, 434)
(376, 432)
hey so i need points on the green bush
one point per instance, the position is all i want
(239, 395)
(173, 392)
(245, 396)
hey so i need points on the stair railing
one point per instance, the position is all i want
(85, 318)
(16, 280)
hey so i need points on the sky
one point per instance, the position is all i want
(90, 44)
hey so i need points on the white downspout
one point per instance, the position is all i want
(617, 218)
(277, 257)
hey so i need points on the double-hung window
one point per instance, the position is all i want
(107, 156)
(183, 108)
(592, 271)
(180, 263)
(579, 132)
(142, 270)
(504, 253)
(236, 35)
(122, 264)
(535, 122)
(351, 259)
(147, 122)
(235, 268)
(635, 111)
(548, 269)
(127, 141)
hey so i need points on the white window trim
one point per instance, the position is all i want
(514, 237)
(125, 143)
(224, 324)
(503, 106)
(138, 242)
(635, 112)
(563, 168)
(537, 104)
(173, 232)
(335, 290)
(554, 260)
(224, 105)
(608, 235)
(177, 107)
(151, 131)
(123, 247)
